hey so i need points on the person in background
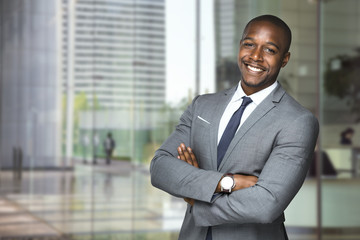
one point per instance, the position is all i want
(109, 146)
(346, 136)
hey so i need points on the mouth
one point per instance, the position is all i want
(254, 68)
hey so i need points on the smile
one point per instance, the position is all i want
(254, 69)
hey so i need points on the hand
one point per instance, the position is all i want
(244, 181)
(189, 201)
(186, 154)
(241, 182)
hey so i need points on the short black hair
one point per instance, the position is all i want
(274, 20)
(347, 131)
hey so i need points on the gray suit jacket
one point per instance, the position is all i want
(275, 144)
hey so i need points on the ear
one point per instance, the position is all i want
(285, 59)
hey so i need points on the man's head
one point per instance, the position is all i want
(264, 50)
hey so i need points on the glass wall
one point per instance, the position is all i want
(340, 117)
(74, 73)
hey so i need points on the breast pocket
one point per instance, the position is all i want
(201, 142)
(201, 130)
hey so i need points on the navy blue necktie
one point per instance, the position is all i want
(226, 138)
(230, 130)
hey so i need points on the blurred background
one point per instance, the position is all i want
(73, 72)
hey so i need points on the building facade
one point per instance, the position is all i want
(113, 70)
(30, 96)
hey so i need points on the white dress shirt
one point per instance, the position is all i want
(235, 103)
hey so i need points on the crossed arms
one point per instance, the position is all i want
(177, 172)
(241, 181)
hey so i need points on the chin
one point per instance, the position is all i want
(254, 84)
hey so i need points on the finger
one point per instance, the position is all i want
(186, 154)
(193, 158)
(255, 179)
(242, 181)
(179, 150)
(181, 154)
(192, 155)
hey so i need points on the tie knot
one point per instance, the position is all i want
(246, 101)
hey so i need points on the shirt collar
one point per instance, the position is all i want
(257, 97)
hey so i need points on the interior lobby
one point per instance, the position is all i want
(74, 72)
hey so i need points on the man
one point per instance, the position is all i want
(346, 136)
(109, 145)
(269, 155)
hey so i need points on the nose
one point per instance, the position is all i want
(256, 54)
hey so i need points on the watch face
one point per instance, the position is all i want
(227, 183)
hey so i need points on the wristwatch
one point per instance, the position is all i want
(227, 183)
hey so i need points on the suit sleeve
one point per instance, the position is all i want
(279, 181)
(177, 177)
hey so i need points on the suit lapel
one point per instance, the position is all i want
(218, 111)
(260, 111)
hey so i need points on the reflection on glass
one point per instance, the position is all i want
(72, 71)
(340, 114)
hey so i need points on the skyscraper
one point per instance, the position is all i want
(118, 51)
(114, 57)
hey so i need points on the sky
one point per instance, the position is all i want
(180, 49)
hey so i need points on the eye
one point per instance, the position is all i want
(270, 50)
(247, 44)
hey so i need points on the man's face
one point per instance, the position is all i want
(262, 53)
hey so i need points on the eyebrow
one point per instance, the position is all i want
(271, 43)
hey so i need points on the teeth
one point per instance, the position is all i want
(254, 69)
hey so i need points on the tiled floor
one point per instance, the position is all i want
(118, 202)
(90, 202)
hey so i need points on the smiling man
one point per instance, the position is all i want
(264, 49)
(239, 157)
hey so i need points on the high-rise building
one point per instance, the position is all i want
(113, 67)
(114, 51)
